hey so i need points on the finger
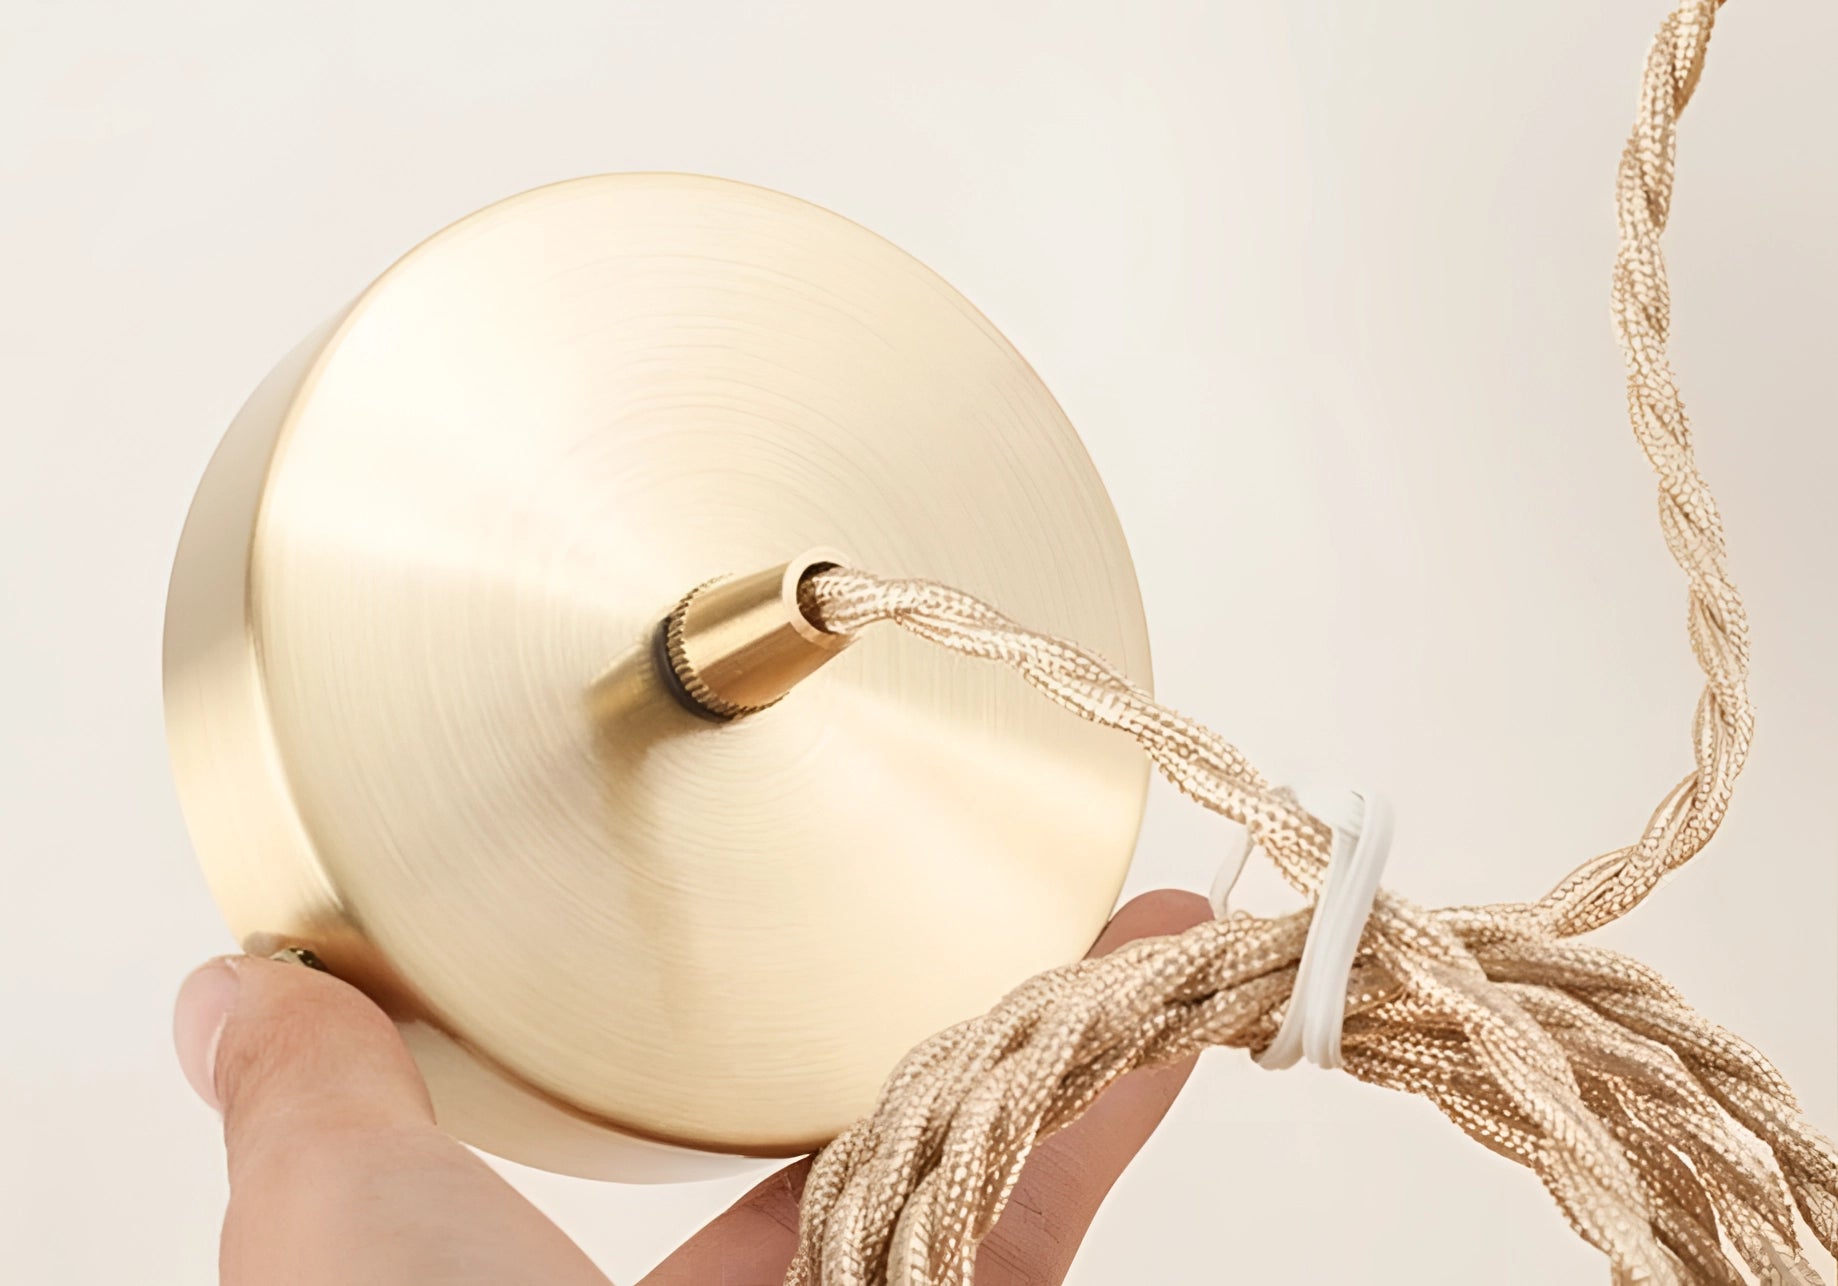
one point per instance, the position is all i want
(338, 1173)
(751, 1241)
(1054, 1202)
(1068, 1175)
(256, 1037)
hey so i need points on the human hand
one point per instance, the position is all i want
(338, 1173)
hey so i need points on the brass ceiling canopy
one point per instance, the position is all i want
(426, 723)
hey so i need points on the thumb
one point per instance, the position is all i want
(289, 1053)
(338, 1173)
(328, 1128)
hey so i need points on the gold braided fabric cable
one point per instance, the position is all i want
(1669, 1144)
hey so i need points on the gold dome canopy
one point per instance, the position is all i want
(419, 729)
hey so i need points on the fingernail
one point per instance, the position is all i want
(198, 1017)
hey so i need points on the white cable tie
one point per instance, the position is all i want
(1356, 863)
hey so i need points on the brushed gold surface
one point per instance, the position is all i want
(418, 731)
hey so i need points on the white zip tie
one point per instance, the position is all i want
(1356, 863)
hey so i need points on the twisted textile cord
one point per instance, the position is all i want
(1668, 1143)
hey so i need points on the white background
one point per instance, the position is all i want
(1324, 285)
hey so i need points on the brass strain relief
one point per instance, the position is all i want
(736, 645)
